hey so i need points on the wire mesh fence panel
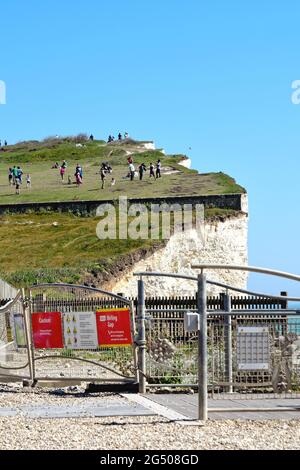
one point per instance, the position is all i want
(171, 355)
(265, 356)
(78, 352)
(14, 364)
(255, 354)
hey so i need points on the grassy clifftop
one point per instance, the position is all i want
(54, 247)
(37, 159)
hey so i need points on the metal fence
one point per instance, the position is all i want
(251, 344)
(97, 364)
(255, 355)
(172, 353)
(21, 359)
(244, 346)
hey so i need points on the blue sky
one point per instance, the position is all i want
(212, 76)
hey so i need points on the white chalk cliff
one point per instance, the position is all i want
(221, 241)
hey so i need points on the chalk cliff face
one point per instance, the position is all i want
(221, 241)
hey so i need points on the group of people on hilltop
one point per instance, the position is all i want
(15, 178)
(105, 169)
(111, 138)
(142, 169)
(5, 143)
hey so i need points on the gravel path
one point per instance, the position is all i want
(130, 432)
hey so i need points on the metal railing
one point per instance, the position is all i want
(217, 340)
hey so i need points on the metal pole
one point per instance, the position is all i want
(228, 341)
(284, 304)
(135, 351)
(27, 325)
(252, 269)
(141, 337)
(31, 338)
(202, 345)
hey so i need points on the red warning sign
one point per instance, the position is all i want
(114, 327)
(47, 330)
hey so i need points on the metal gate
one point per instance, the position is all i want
(72, 317)
(77, 362)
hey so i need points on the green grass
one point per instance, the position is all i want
(216, 213)
(37, 159)
(62, 247)
(34, 250)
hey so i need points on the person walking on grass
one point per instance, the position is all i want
(78, 179)
(19, 174)
(158, 169)
(28, 181)
(142, 169)
(78, 175)
(152, 174)
(79, 170)
(10, 177)
(103, 177)
(15, 174)
(18, 186)
(131, 171)
(62, 173)
(63, 170)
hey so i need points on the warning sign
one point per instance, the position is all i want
(114, 327)
(80, 330)
(47, 330)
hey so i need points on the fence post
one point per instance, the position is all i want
(28, 333)
(202, 348)
(284, 303)
(135, 352)
(141, 337)
(228, 342)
